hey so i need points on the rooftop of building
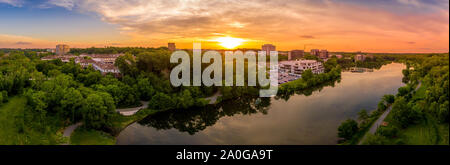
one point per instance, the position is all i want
(106, 66)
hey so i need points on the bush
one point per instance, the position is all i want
(376, 140)
(348, 129)
(403, 91)
(389, 99)
(388, 131)
(381, 106)
(161, 101)
(3, 96)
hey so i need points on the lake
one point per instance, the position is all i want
(311, 118)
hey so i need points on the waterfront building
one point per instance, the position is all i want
(297, 67)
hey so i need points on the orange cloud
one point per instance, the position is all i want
(347, 25)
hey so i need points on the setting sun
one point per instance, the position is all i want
(229, 42)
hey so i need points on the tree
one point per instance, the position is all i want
(92, 78)
(389, 132)
(145, 88)
(363, 115)
(443, 112)
(381, 106)
(127, 65)
(37, 79)
(37, 102)
(406, 75)
(403, 91)
(311, 57)
(3, 96)
(307, 75)
(404, 114)
(348, 129)
(153, 61)
(71, 102)
(185, 100)
(330, 64)
(97, 110)
(53, 73)
(161, 101)
(389, 99)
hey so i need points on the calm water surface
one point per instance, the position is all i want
(302, 119)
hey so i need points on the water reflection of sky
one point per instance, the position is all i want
(300, 120)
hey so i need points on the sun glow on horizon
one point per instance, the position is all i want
(229, 42)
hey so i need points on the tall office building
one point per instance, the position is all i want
(323, 54)
(62, 49)
(267, 48)
(315, 52)
(171, 46)
(296, 54)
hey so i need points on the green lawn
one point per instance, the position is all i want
(82, 136)
(428, 132)
(420, 93)
(420, 134)
(443, 132)
(8, 112)
(13, 130)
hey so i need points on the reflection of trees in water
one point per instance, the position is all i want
(307, 92)
(197, 119)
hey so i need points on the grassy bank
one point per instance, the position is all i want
(364, 128)
(82, 136)
(13, 130)
(427, 132)
(9, 133)
(121, 122)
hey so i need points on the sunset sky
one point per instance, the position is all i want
(336, 25)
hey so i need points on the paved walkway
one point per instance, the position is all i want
(213, 99)
(132, 111)
(380, 120)
(69, 130)
(125, 111)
